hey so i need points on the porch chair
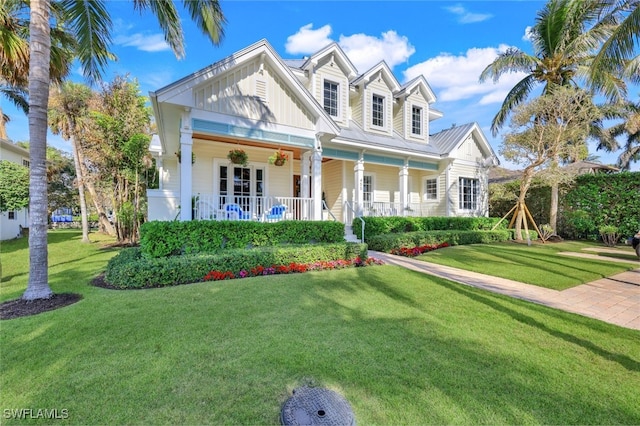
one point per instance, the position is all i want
(234, 212)
(275, 213)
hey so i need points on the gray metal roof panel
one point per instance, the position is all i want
(355, 133)
(447, 140)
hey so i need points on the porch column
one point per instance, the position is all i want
(186, 144)
(160, 167)
(404, 188)
(359, 181)
(304, 175)
(316, 195)
(447, 183)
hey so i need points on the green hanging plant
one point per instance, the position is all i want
(238, 156)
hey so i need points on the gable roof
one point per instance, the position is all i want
(384, 71)
(419, 81)
(338, 55)
(260, 49)
(450, 139)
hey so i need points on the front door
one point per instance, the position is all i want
(243, 186)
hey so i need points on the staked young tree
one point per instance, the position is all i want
(539, 132)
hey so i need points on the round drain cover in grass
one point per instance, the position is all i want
(316, 406)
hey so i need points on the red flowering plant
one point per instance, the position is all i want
(417, 250)
(291, 268)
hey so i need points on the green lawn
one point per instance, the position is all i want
(538, 264)
(403, 348)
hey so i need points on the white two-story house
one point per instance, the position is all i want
(11, 221)
(357, 143)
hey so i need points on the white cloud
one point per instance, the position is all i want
(146, 43)
(363, 50)
(307, 40)
(527, 34)
(466, 17)
(457, 77)
(366, 51)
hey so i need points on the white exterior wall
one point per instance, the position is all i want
(378, 87)
(333, 186)
(329, 70)
(415, 99)
(235, 93)
(10, 228)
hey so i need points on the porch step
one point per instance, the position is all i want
(349, 236)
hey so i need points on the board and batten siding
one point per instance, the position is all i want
(255, 94)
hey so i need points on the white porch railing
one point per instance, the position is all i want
(381, 209)
(217, 207)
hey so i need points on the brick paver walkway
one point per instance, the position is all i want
(615, 300)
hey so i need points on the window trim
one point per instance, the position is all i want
(419, 122)
(474, 202)
(338, 106)
(382, 111)
(425, 192)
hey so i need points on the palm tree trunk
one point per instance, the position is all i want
(553, 211)
(40, 50)
(81, 194)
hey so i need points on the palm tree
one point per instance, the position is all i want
(91, 25)
(618, 53)
(565, 38)
(14, 54)
(628, 114)
(68, 107)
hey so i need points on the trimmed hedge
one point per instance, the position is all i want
(398, 224)
(160, 238)
(389, 242)
(130, 269)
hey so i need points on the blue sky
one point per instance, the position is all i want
(449, 42)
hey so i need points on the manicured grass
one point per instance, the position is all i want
(403, 348)
(537, 264)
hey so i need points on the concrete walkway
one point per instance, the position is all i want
(615, 300)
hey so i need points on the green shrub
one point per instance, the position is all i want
(161, 239)
(609, 235)
(389, 242)
(131, 270)
(398, 224)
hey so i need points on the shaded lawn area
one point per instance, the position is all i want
(403, 348)
(538, 264)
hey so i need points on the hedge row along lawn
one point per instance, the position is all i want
(538, 264)
(401, 347)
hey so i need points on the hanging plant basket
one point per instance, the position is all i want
(279, 158)
(238, 156)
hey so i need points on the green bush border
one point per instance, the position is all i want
(399, 224)
(389, 242)
(160, 238)
(130, 269)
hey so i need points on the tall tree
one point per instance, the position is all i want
(68, 111)
(539, 131)
(628, 125)
(91, 26)
(565, 38)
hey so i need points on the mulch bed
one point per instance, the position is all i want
(21, 308)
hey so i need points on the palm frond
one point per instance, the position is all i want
(91, 24)
(515, 97)
(208, 16)
(17, 95)
(512, 60)
(169, 21)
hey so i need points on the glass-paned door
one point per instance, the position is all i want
(244, 186)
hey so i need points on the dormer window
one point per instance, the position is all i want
(416, 120)
(331, 98)
(377, 111)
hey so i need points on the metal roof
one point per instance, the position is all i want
(447, 140)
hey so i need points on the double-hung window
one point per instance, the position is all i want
(431, 189)
(331, 98)
(377, 111)
(469, 193)
(416, 120)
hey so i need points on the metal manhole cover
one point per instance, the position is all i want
(316, 406)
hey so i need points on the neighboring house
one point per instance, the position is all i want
(12, 221)
(502, 175)
(358, 144)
